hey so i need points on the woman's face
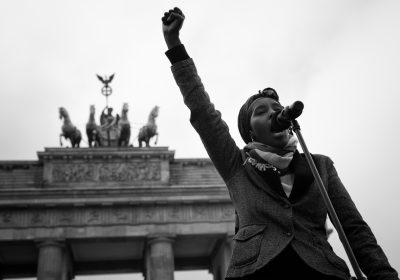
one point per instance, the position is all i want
(262, 110)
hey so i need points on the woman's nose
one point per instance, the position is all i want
(271, 115)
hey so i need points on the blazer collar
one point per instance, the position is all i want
(271, 182)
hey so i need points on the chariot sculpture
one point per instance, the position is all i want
(112, 131)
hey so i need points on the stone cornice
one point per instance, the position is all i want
(89, 154)
(19, 164)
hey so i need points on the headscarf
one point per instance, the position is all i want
(245, 112)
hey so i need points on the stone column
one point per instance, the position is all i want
(53, 263)
(221, 258)
(159, 259)
(67, 266)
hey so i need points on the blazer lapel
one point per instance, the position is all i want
(270, 183)
(303, 177)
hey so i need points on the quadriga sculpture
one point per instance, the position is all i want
(150, 129)
(69, 131)
(124, 127)
(93, 129)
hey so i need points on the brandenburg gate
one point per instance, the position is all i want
(86, 211)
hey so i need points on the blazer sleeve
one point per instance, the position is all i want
(370, 256)
(207, 121)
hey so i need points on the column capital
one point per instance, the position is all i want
(50, 242)
(155, 238)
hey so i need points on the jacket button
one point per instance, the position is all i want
(288, 233)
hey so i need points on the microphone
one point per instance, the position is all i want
(281, 120)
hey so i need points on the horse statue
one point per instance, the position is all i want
(69, 131)
(124, 127)
(150, 129)
(93, 129)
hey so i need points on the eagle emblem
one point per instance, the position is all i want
(106, 80)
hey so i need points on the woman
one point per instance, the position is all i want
(281, 214)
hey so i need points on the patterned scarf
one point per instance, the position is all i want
(265, 157)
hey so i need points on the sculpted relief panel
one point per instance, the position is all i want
(107, 172)
(122, 215)
(73, 172)
(140, 171)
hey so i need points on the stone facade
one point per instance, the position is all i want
(110, 210)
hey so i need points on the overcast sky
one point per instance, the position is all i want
(340, 57)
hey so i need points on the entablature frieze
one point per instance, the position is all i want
(132, 172)
(105, 153)
(115, 215)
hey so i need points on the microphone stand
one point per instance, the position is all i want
(328, 203)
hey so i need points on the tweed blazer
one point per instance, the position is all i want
(269, 221)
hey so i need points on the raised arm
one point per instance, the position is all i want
(207, 121)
